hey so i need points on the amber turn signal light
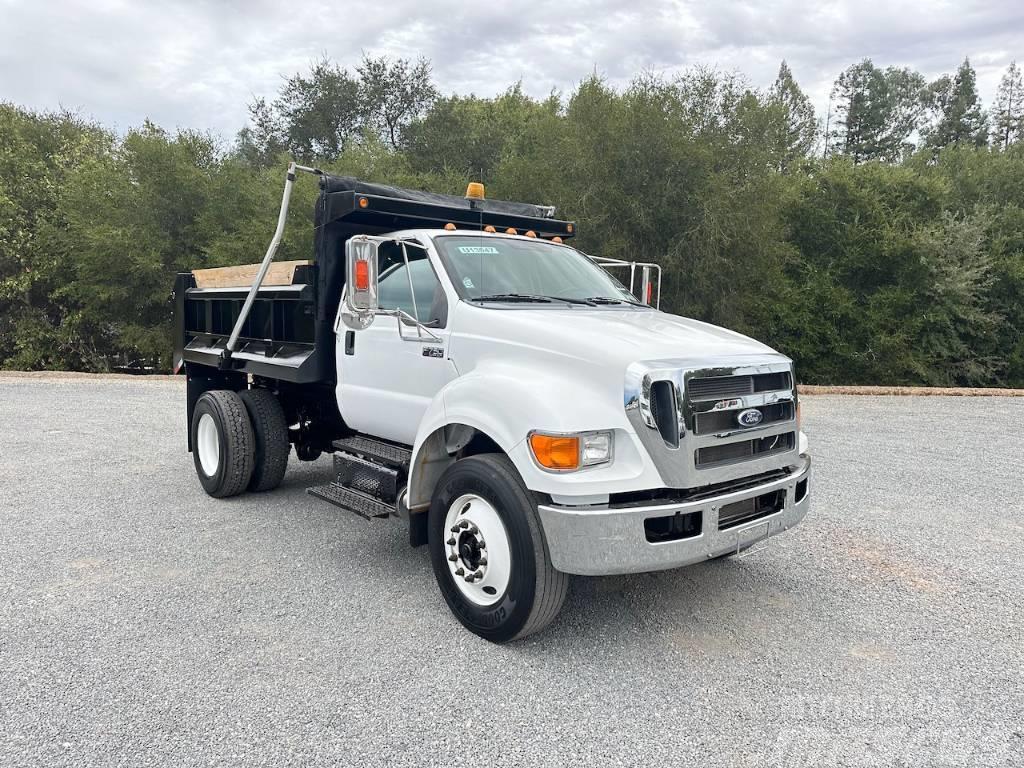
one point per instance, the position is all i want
(556, 451)
(364, 203)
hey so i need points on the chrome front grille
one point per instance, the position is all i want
(709, 422)
(726, 387)
(688, 417)
(743, 450)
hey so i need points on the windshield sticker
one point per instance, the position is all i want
(468, 283)
(489, 249)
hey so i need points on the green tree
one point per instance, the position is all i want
(1009, 108)
(320, 113)
(39, 324)
(959, 118)
(796, 128)
(469, 136)
(878, 110)
(262, 142)
(394, 93)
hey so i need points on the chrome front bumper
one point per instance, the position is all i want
(598, 540)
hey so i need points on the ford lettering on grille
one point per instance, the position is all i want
(749, 418)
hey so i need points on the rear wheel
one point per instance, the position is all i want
(270, 431)
(488, 551)
(223, 446)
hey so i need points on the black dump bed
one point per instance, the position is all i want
(288, 335)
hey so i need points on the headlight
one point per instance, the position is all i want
(565, 453)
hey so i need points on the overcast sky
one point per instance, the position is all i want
(197, 63)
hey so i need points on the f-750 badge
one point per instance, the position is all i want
(433, 351)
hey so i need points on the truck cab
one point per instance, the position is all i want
(525, 411)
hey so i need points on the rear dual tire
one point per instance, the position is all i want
(270, 432)
(239, 441)
(223, 444)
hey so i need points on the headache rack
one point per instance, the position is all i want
(275, 320)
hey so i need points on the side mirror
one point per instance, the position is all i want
(360, 282)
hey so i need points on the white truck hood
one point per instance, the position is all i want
(606, 337)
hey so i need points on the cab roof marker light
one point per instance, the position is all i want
(490, 228)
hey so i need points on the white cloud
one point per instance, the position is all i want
(197, 64)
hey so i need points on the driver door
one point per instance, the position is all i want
(389, 372)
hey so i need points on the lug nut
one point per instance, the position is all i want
(460, 571)
(469, 577)
(483, 561)
(473, 529)
(451, 542)
(463, 523)
(455, 529)
(453, 558)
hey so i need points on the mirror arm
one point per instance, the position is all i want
(412, 292)
(421, 329)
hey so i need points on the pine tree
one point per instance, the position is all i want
(878, 110)
(959, 117)
(797, 128)
(1009, 110)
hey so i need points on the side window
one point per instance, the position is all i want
(393, 286)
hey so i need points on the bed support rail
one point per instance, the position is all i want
(282, 217)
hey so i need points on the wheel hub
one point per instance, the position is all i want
(471, 548)
(477, 549)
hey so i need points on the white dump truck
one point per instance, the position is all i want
(520, 404)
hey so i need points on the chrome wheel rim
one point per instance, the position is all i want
(477, 549)
(208, 445)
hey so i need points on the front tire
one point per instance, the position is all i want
(488, 551)
(223, 446)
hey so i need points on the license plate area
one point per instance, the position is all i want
(747, 510)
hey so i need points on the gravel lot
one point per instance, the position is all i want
(143, 623)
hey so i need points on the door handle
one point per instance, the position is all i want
(350, 342)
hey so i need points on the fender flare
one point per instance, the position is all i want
(464, 408)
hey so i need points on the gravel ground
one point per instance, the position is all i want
(143, 623)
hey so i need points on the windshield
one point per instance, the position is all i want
(505, 269)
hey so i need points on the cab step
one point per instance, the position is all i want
(353, 501)
(377, 451)
(369, 476)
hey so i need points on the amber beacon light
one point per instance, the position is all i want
(475, 191)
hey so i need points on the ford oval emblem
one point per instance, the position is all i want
(750, 417)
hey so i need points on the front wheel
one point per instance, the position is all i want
(488, 551)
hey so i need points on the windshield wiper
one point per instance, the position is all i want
(512, 297)
(532, 297)
(612, 300)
